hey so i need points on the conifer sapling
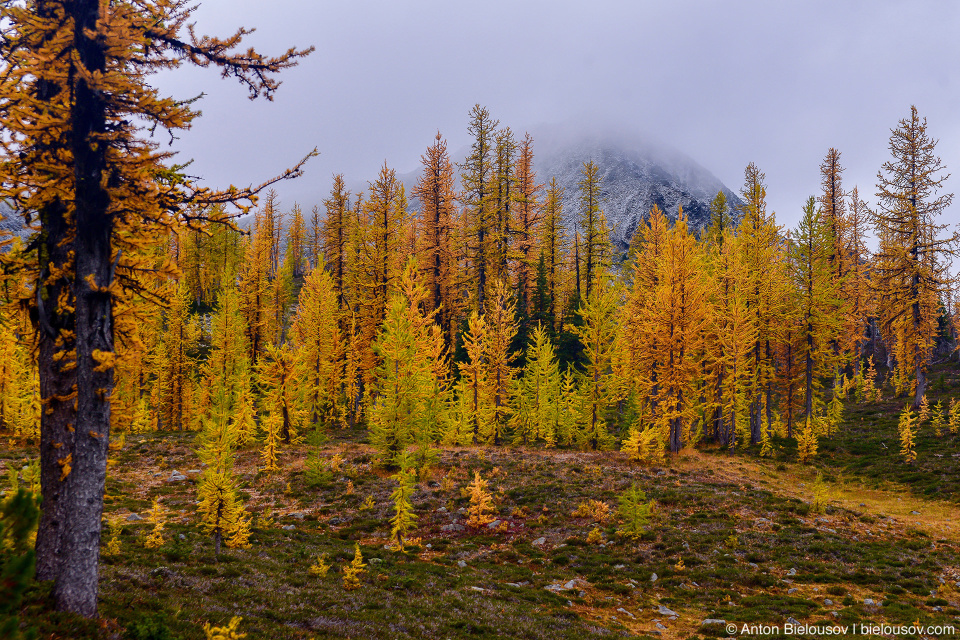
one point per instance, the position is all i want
(155, 539)
(937, 420)
(634, 512)
(320, 567)
(907, 430)
(351, 572)
(404, 520)
(481, 504)
(229, 632)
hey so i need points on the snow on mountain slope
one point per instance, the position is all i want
(636, 174)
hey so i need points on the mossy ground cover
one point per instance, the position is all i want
(732, 537)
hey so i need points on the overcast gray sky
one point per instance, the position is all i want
(727, 82)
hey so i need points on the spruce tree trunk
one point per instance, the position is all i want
(755, 421)
(718, 435)
(919, 359)
(732, 439)
(75, 588)
(57, 380)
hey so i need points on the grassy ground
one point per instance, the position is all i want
(753, 547)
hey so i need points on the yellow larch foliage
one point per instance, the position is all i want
(239, 533)
(218, 507)
(758, 243)
(838, 249)
(139, 328)
(595, 510)
(281, 299)
(331, 238)
(645, 256)
(245, 416)
(924, 413)
(908, 433)
(142, 420)
(644, 443)
(910, 271)
(404, 519)
(403, 400)
(352, 372)
(501, 327)
(737, 345)
(78, 107)
(594, 249)
(537, 393)
(476, 413)
(438, 258)
(859, 301)
(156, 518)
(115, 528)
(527, 215)
(318, 350)
(570, 410)
(822, 495)
(254, 287)
(937, 420)
(595, 536)
(553, 246)
(502, 203)
(320, 567)
(297, 242)
(177, 410)
(807, 441)
(381, 260)
(271, 442)
(228, 364)
(599, 385)
(222, 515)
(767, 450)
(229, 632)
(632, 444)
(351, 572)
(816, 293)
(481, 503)
(278, 378)
(476, 228)
(675, 323)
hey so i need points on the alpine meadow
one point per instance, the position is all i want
(588, 392)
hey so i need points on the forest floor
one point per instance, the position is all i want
(755, 547)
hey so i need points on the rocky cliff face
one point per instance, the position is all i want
(11, 223)
(636, 175)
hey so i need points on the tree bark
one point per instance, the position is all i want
(75, 587)
(57, 386)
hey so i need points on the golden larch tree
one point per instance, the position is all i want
(334, 236)
(592, 226)
(501, 327)
(553, 246)
(599, 386)
(381, 258)
(760, 244)
(910, 271)
(527, 217)
(438, 260)
(76, 106)
(318, 349)
(476, 226)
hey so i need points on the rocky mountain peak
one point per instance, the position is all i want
(636, 174)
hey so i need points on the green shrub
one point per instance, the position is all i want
(152, 627)
(634, 511)
(18, 519)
